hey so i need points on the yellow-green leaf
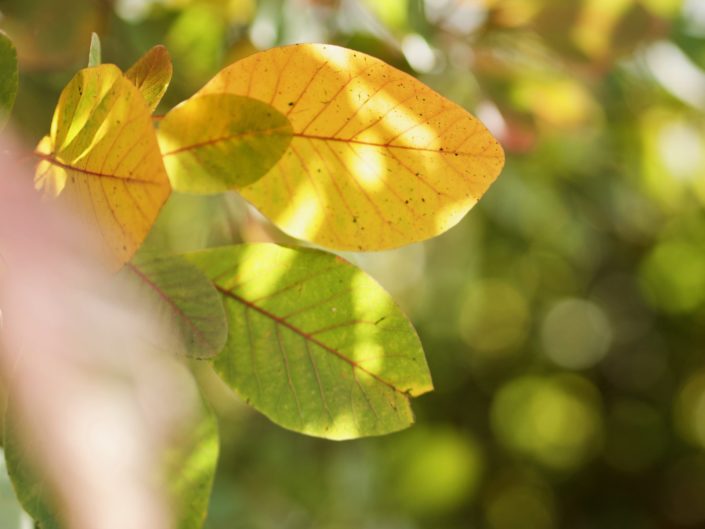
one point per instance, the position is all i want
(314, 343)
(377, 159)
(185, 300)
(190, 467)
(217, 142)
(102, 158)
(8, 77)
(151, 74)
(95, 54)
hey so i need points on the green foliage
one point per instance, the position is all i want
(563, 320)
(186, 300)
(314, 343)
(95, 52)
(30, 487)
(191, 466)
(8, 77)
(304, 336)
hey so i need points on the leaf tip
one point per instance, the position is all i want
(95, 53)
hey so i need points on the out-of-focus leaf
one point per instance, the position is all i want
(95, 55)
(314, 343)
(151, 74)
(191, 466)
(11, 512)
(216, 142)
(102, 157)
(8, 77)
(31, 490)
(196, 40)
(377, 159)
(186, 298)
(51, 35)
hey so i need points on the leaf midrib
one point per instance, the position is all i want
(307, 336)
(165, 297)
(272, 132)
(55, 161)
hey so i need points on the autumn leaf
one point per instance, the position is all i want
(8, 77)
(151, 74)
(376, 160)
(217, 142)
(103, 160)
(182, 296)
(314, 343)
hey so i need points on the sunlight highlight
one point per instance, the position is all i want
(368, 166)
(333, 55)
(258, 263)
(304, 215)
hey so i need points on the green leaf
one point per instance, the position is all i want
(183, 295)
(191, 467)
(8, 77)
(94, 54)
(314, 343)
(217, 142)
(151, 74)
(31, 490)
(11, 512)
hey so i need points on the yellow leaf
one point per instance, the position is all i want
(102, 158)
(151, 74)
(216, 142)
(377, 159)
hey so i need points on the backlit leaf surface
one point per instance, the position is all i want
(184, 297)
(8, 77)
(377, 159)
(151, 74)
(191, 466)
(95, 54)
(217, 142)
(314, 343)
(102, 158)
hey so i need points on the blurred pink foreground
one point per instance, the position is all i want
(95, 396)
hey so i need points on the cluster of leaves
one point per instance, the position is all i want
(337, 149)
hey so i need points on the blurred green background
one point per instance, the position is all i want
(563, 318)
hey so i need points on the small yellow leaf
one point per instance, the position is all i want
(151, 74)
(102, 158)
(216, 142)
(377, 159)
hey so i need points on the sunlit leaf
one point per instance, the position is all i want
(184, 297)
(102, 158)
(152, 74)
(8, 77)
(377, 159)
(217, 142)
(314, 343)
(191, 466)
(95, 54)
